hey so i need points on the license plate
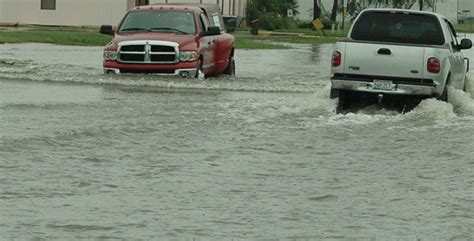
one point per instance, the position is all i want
(382, 85)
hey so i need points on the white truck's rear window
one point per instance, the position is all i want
(398, 27)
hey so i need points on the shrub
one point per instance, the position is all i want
(270, 13)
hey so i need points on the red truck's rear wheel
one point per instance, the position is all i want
(231, 67)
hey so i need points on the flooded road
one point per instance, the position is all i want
(259, 156)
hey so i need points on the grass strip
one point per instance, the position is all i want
(87, 37)
(54, 36)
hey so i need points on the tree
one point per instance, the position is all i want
(334, 10)
(405, 4)
(281, 7)
(278, 7)
(316, 9)
(272, 14)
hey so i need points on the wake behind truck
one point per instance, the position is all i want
(174, 40)
(391, 55)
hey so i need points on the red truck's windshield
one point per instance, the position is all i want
(398, 27)
(158, 21)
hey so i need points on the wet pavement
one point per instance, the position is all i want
(258, 156)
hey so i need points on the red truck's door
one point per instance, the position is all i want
(224, 44)
(208, 44)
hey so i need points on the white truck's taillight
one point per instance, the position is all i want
(336, 58)
(433, 65)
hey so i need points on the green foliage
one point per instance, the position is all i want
(406, 4)
(251, 42)
(281, 7)
(328, 23)
(271, 13)
(354, 7)
(309, 25)
(305, 25)
(270, 21)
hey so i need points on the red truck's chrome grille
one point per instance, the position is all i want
(148, 52)
(124, 57)
(133, 48)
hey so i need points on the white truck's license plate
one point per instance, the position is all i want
(382, 85)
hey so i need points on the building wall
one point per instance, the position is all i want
(89, 12)
(68, 12)
(451, 8)
(448, 8)
(466, 5)
(305, 8)
(229, 7)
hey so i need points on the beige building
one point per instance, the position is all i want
(88, 12)
(228, 7)
(452, 9)
(98, 12)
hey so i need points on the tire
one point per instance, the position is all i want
(464, 88)
(341, 101)
(333, 94)
(200, 73)
(444, 94)
(230, 70)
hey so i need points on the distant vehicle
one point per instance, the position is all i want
(174, 40)
(391, 55)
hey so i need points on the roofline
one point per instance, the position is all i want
(185, 7)
(178, 7)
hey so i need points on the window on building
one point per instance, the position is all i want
(48, 4)
(142, 2)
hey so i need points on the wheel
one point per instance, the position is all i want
(200, 73)
(341, 101)
(230, 70)
(333, 94)
(444, 94)
(464, 88)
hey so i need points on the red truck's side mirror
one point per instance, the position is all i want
(211, 31)
(106, 29)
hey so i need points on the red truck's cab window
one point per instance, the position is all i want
(159, 21)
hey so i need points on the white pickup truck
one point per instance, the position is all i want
(393, 55)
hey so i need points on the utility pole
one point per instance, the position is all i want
(421, 5)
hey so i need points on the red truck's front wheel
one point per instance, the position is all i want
(199, 72)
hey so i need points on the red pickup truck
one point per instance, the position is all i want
(176, 40)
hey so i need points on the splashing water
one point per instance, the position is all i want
(470, 85)
(433, 108)
(462, 102)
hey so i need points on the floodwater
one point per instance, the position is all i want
(259, 156)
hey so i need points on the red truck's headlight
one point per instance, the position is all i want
(188, 56)
(110, 54)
